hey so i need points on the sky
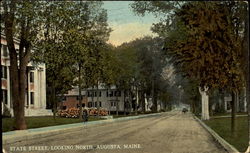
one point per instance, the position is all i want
(125, 24)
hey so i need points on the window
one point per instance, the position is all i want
(118, 93)
(32, 98)
(83, 105)
(5, 96)
(77, 97)
(100, 104)
(113, 103)
(100, 94)
(95, 93)
(63, 98)
(31, 76)
(89, 104)
(90, 93)
(95, 104)
(111, 93)
(4, 72)
(5, 51)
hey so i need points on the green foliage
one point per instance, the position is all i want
(42, 121)
(72, 37)
(204, 39)
(139, 65)
(199, 55)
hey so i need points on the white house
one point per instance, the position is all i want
(107, 98)
(35, 103)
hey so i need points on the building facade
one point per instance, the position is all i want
(109, 99)
(35, 99)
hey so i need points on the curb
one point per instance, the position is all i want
(24, 135)
(228, 147)
(212, 117)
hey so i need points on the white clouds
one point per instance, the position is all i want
(126, 32)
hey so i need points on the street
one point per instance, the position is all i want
(171, 132)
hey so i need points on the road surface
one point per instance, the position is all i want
(171, 132)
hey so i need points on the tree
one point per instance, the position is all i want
(152, 61)
(142, 63)
(204, 40)
(20, 20)
(57, 19)
(29, 21)
(126, 68)
(87, 39)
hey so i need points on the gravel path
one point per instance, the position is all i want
(172, 132)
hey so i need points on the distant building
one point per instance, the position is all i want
(241, 105)
(224, 104)
(107, 99)
(35, 99)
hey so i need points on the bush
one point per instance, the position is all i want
(75, 112)
(94, 111)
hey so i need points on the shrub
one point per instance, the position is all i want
(75, 112)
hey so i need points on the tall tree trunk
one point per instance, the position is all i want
(130, 101)
(17, 73)
(18, 97)
(248, 75)
(92, 96)
(204, 103)
(221, 101)
(18, 79)
(233, 112)
(124, 103)
(143, 102)
(108, 101)
(245, 99)
(137, 100)
(211, 110)
(117, 106)
(54, 100)
(248, 98)
(1, 90)
(193, 107)
(98, 104)
(80, 93)
(154, 109)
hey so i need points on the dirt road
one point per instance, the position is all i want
(171, 132)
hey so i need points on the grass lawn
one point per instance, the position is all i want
(44, 121)
(37, 122)
(222, 126)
